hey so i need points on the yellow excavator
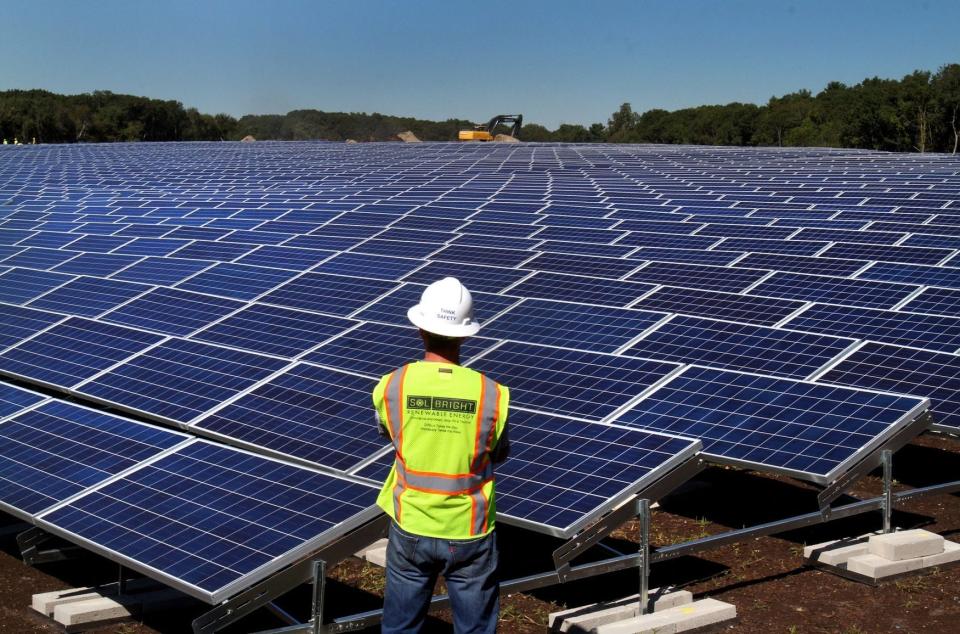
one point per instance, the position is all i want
(486, 132)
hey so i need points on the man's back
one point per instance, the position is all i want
(446, 423)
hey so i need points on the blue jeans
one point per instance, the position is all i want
(469, 566)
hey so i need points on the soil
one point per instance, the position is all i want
(764, 577)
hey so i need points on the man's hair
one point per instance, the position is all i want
(433, 340)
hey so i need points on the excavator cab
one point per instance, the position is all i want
(486, 132)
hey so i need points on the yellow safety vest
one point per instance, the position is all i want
(444, 420)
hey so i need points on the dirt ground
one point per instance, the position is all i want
(764, 577)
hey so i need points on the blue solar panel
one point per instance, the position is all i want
(561, 473)
(311, 413)
(475, 277)
(290, 258)
(19, 286)
(711, 278)
(100, 264)
(801, 264)
(906, 255)
(936, 301)
(935, 375)
(833, 290)
(180, 380)
(686, 256)
(581, 289)
(18, 323)
(570, 382)
(59, 449)
(588, 327)
(369, 266)
(932, 332)
(172, 311)
(374, 349)
(739, 346)
(162, 271)
(40, 258)
(211, 520)
(582, 265)
(72, 351)
(332, 294)
(13, 400)
(211, 250)
(804, 429)
(150, 246)
(670, 240)
(745, 308)
(787, 247)
(839, 235)
(913, 274)
(89, 296)
(237, 281)
(273, 330)
(467, 254)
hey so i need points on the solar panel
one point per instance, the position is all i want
(375, 349)
(487, 279)
(290, 258)
(582, 265)
(18, 323)
(314, 414)
(211, 520)
(744, 308)
(802, 429)
(906, 255)
(179, 380)
(932, 332)
(711, 278)
(58, 449)
(236, 281)
(379, 267)
(172, 311)
(736, 346)
(935, 375)
(273, 330)
(570, 382)
(936, 301)
(589, 327)
(564, 473)
(325, 293)
(19, 286)
(558, 286)
(833, 290)
(160, 270)
(101, 264)
(801, 264)
(687, 256)
(89, 296)
(14, 399)
(72, 351)
(913, 274)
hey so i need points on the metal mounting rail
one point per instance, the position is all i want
(639, 560)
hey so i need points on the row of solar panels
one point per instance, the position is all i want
(212, 520)
(320, 413)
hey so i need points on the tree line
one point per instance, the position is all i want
(918, 113)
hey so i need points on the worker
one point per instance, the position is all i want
(447, 424)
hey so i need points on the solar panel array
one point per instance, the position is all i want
(252, 294)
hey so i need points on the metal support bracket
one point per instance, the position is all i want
(886, 457)
(31, 541)
(588, 538)
(286, 580)
(843, 484)
(644, 508)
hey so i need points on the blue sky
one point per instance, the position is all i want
(556, 62)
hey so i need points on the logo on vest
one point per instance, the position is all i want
(442, 404)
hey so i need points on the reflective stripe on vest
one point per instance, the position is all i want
(470, 484)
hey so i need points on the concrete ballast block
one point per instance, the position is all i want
(877, 567)
(90, 611)
(833, 553)
(377, 556)
(906, 545)
(591, 617)
(681, 618)
(950, 554)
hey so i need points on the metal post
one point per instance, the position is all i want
(319, 584)
(887, 458)
(121, 583)
(644, 508)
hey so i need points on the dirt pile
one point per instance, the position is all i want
(408, 137)
(247, 139)
(505, 138)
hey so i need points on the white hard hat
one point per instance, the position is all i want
(445, 308)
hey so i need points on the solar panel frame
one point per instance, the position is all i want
(48, 522)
